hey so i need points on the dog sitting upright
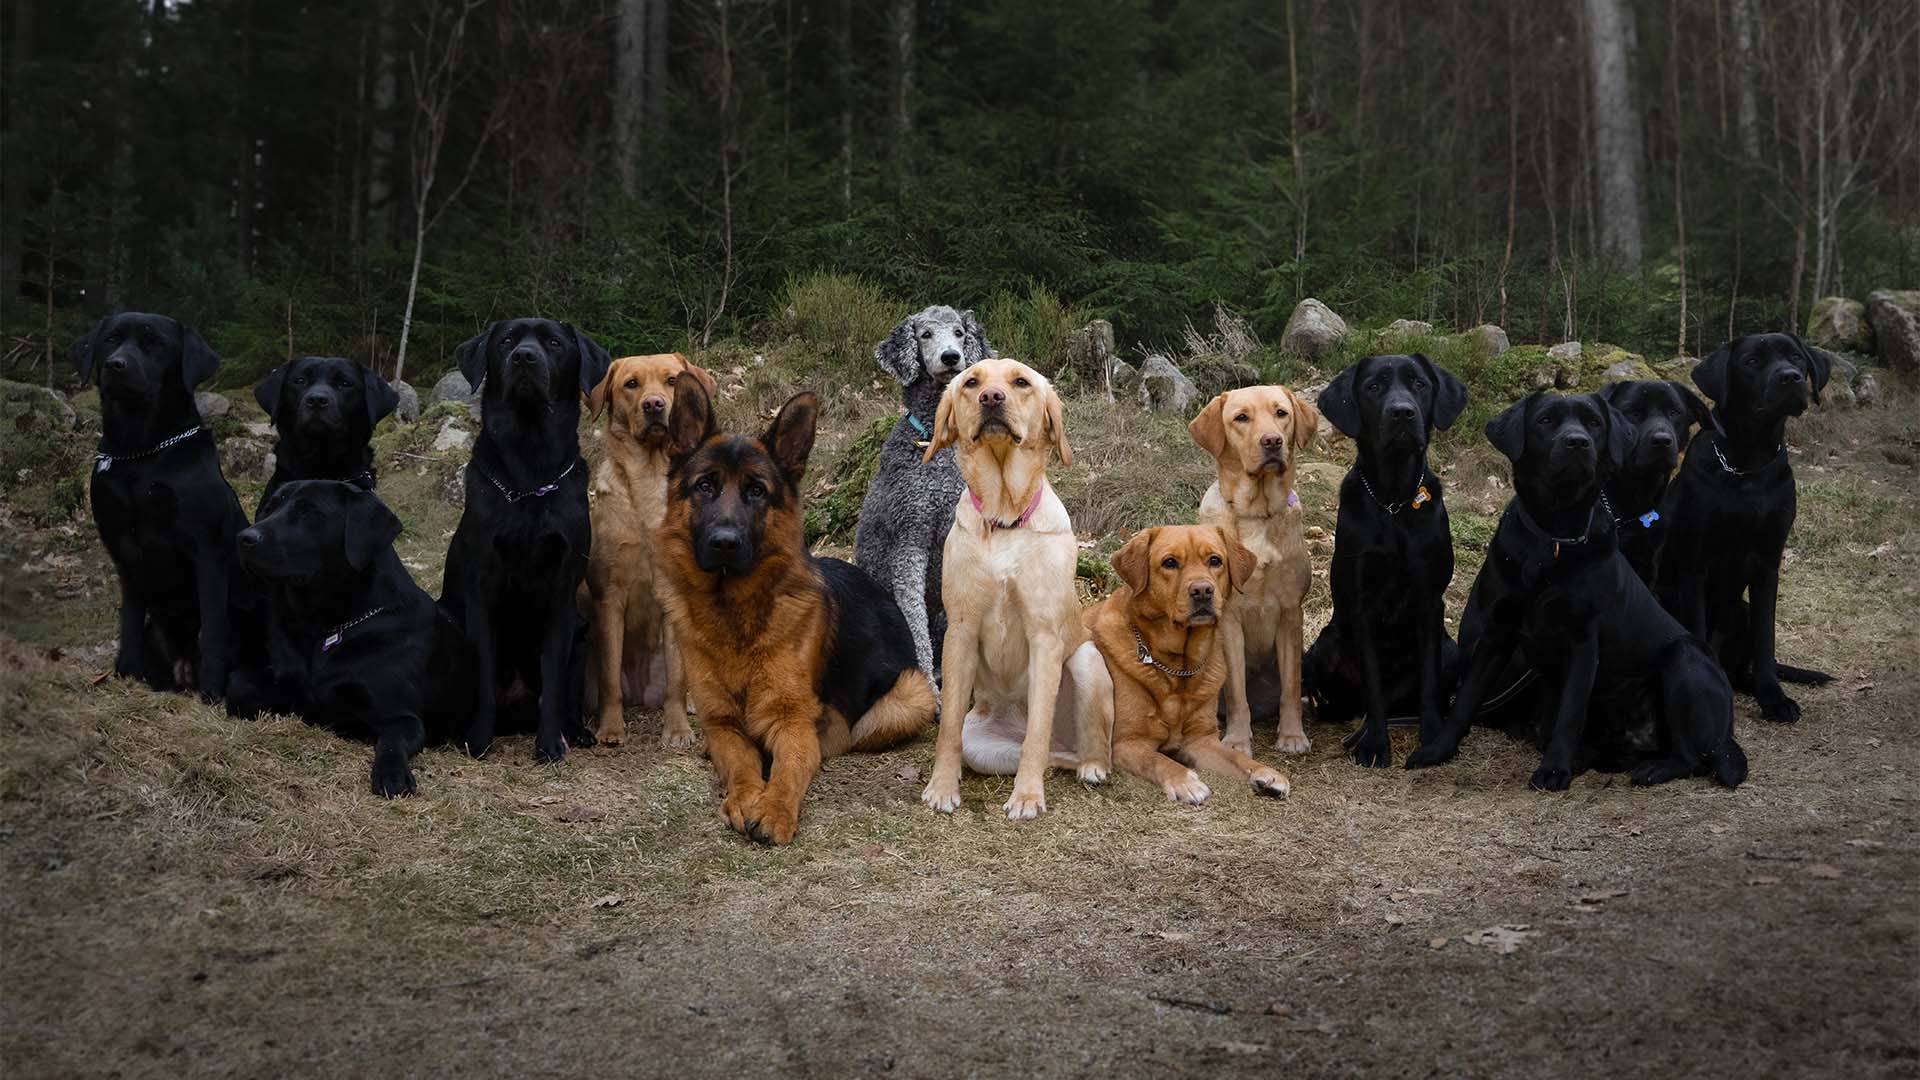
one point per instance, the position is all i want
(629, 503)
(324, 409)
(791, 658)
(909, 504)
(1663, 414)
(1556, 597)
(354, 644)
(1159, 636)
(1732, 506)
(1253, 434)
(520, 550)
(165, 513)
(1386, 651)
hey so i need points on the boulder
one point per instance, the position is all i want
(1164, 389)
(1866, 391)
(1894, 316)
(1088, 351)
(408, 409)
(1603, 364)
(453, 489)
(453, 387)
(212, 406)
(246, 458)
(453, 435)
(1401, 329)
(1839, 323)
(1312, 330)
(1491, 338)
(1567, 352)
(18, 400)
(1126, 377)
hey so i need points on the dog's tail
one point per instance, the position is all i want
(1801, 676)
(899, 715)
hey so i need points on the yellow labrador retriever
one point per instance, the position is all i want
(1253, 434)
(1007, 584)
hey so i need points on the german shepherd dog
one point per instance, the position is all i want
(790, 659)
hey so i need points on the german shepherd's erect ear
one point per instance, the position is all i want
(790, 439)
(692, 420)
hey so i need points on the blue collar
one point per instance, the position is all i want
(919, 427)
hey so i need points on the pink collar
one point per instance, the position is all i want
(994, 523)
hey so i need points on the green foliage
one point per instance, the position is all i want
(832, 516)
(45, 465)
(839, 316)
(1031, 327)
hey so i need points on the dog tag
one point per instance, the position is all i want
(101, 463)
(1293, 498)
(1647, 519)
(1421, 496)
(335, 638)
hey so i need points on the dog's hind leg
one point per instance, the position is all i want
(1086, 705)
(1233, 644)
(1289, 652)
(899, 715)
(907, 580)
(990, 741)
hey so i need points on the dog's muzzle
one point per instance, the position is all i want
(724, 549)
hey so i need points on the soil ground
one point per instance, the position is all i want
(186, 894)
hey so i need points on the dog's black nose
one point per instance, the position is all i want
(727, 540)
(1402, 411)
(1661, 439)
(116, 363)
(993, 397)
(523, 355)
(1577, 440)
(318, 400)
(950, 357)
(653, 405)
(1791, 375)
(249, 537)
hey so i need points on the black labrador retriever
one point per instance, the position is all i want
(1556, 593)
(521, 547)
(1386, 650)
(1732, 506)
(165, 513)
(1663, 414)
(353, 643)
(324, 409)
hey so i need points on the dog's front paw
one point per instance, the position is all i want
(1551, 778)
(737, 808)
(1092, 772)
(1187, 789)
(676, 733)
(1025, 805)
(942, 794)
(1373, 751)
(772, 820)
(1431, 754)
(547, 751)
(1269, 782)
(1292, 743)
(610, 731)
(391, 777)
(128, 665)
(1650, 773)
(1780, 710)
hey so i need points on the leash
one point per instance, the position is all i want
(1145, 657)
(1418, 498)
(339, 633)
(102, 461)
(513, 496)
(995, 523)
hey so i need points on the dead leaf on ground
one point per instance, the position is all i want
(1825, 870)
(609, 900)
(1279, 1008)
(1863, 842)
(1437, 943)
(1394, 918)
(909, 774)
(1173, 935)
(580, 813)
(543, 800)
(1503, 939)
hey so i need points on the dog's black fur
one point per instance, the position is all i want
(167, 516)
(518, 555)
(323, 553)
(1386, 650)
(1555, 590)
(1663, 414)
(1732, 506)
(324, 409)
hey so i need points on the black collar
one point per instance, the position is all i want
(1526, 522)
(102, 461)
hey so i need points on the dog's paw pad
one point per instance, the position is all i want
(1026, 805)
(1092, 773)
(1269, 782)
(1784, 711)
(1188, 789)
(1293, 744)
(944, 798)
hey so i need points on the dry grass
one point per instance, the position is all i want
(189, 894)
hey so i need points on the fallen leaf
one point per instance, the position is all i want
(873, 851)
(909, 774)
(1716, 829)
(1437, 943)
(1502, 939)
(1863, 688)
(1246, 1049)
(1766, 879)
(609, 900)
(1394, 918)
(543, 800)
(1279, 1008)
(1174, 935)
(1861, 842)
(1824, 870)
(580, 813)
(1602, 896)
(1418, 891)
(1398, 895)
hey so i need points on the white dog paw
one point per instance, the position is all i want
(1092, 772)
(1292, 744)
(1026, 805)
(1269, 782)
(944, 797)
(1189, 789)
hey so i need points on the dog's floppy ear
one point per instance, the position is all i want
(1338, 404)
(1696, 409)
(690, 421)
(943, 425)
(82, 354)
(1710, 375)
(1610, 393)
(1620, 433)
(898, 354)
(368, 529)
(1449, 394)
(594, 360)
(1508, 431)
(197, 359)
(700, 375)
(471, 357)
(1056, 421)
(1815, 363)
(790, 438)
(380, 395)
(1306, 420)
(977, 348)
(602, 390)
(1209, 429)
(1241, 563)
(1130, 562)
(267, 392)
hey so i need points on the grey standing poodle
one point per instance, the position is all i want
(909, 506)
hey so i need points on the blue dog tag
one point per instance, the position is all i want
(1647, 519)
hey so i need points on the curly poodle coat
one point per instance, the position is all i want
(909, 506)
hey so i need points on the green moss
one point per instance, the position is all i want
(832, 516)
(45, 467)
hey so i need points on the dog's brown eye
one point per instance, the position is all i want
(1241, 419)
(755, 490)
(632, 384)
(1170, 563)
(671, 378)
(705, 485)
(1022, 383)
(971, 383)
(1281, 413)
(1213, 561)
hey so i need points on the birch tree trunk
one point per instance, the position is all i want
(1616, 130)
(630, 91)
(1746, 106)
(905, 14)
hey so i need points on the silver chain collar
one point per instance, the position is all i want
(1728, 468)
(102, 461)
(513, 496)
(339, 633)
(1395, 508)
(1145, 657)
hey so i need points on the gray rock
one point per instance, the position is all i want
(1088, 351)
(408, 410)
(1621, 370)
(1866, 391)
(1406, 328)
(453, 490)
(1312, 330)
(452, 436)
(1894, 316)
(453, 386)
(1567, 352)
(18, 399)
(246, 458)
(211, 405)
(1164, 389)
(1840, 323)
(1491, 338)
(1126, 377)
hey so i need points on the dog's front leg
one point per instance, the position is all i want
(1046, 654)
(675, 732)
(960, 658)
(909, 588)
(1431, 696)
(486, 687)
(556, 656)
(1489, 656)
(211, 583)
(1141, 758)
(1233, 644)
(1210, 754)
(794, 743)
(736, 759)
(1289, 644)
(130, 661)
(397, 739)
(1775, 705)
(1374, 748)
(1570, 715)
(609, 648)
